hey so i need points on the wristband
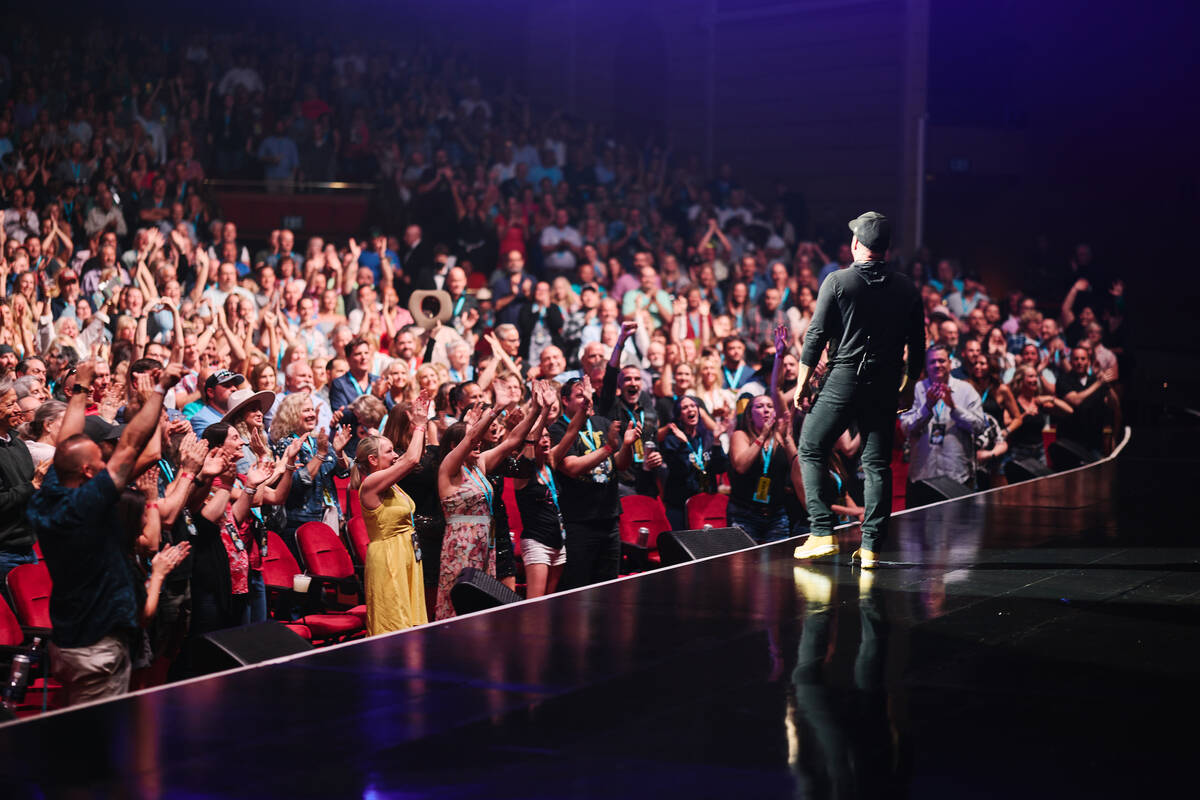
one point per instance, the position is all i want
(250, 490)
(151, 505)
(531, 441)
(158, 388)
(186, 476)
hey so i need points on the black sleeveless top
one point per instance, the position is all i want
(744, 485)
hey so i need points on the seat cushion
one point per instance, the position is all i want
(328, 626)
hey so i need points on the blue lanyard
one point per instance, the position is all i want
(589, 441)
(786, 294)
(640, 418)
(458, 305)
(734, 377)
(698, 453)
(164, 466)
(482, 482)
(983, 399)
(358, 388)
(767, 457)
(547, 480)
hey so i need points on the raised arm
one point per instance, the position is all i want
(477, 422)
(559, 452)
(782, 338)
(377, 482)
(143, 425)
(535, 414)
(76, 413)
(192, 452)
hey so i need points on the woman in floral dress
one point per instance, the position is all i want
(468, 497)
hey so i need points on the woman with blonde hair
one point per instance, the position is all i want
(399, 385)
(394, 576)
(563, 296)
(320, 457)
(428, 379)
(1024, 427)
(718, 401)
(761, 452)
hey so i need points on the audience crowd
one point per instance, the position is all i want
(545, 314)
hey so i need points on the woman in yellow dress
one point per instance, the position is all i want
(394, 578)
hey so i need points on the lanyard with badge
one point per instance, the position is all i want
(416, 541)
(734, 377)
(696, 456)
(591, 442)
(639, 449)
(477, 477)
(546, 478)
(937, 428)
(762, 493)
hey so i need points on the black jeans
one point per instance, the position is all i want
(593, 552)
(873, 408)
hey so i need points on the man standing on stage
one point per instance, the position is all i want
(867, 314)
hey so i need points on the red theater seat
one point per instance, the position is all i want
(279, 567)
(356, 530)
(29, 586)
(639, 511)
(706, 509)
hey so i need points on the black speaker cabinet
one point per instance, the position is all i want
(475, 590)
(1024, 469)
(933, 490)
(676, 547)
(237, 647)
(1065, 454)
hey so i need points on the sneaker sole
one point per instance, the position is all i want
(828, 550)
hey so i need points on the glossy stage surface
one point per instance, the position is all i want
(1037, 641)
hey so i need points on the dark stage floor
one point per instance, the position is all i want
(1037, 641)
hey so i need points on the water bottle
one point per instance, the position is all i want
(643, 537)
(18, 679)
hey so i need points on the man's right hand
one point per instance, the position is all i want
(170, 376)
(84, 373)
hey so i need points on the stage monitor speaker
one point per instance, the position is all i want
(475, 590)
(1024, 469)
(237, 647)
(934, 490)
(677, 547)
(1065, 454)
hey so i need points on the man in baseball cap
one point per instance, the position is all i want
(873, 231)
(217, 389)
(867, 314)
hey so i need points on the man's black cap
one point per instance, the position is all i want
(100, 430)
(873, 230)
(225, 378)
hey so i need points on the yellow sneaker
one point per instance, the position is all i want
(816, 588)
(867, 557)
(866, 581)
(817, 547)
